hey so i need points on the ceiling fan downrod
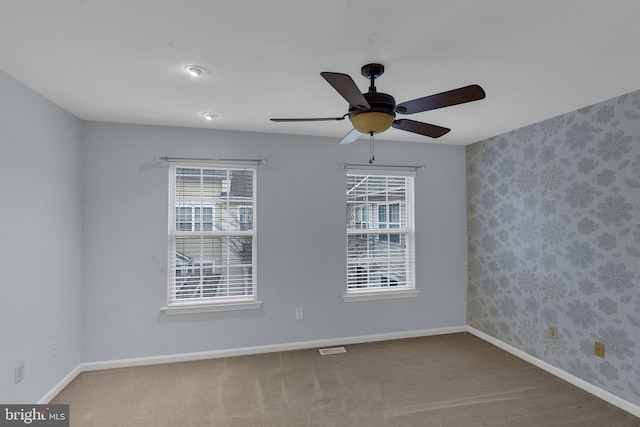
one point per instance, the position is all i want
(372, 72)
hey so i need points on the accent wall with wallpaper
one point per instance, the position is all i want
(554, 240)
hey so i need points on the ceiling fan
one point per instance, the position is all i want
(375, 112)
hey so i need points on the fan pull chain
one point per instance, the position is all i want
(371, 148)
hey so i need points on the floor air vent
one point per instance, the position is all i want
(334, 350)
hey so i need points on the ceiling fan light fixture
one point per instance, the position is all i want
(195, 70)
(209, 116)
(372, 122)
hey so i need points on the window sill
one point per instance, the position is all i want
(379, 295)
(194, 309)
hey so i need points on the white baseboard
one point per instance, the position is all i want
(60, 386)
(580, 383)
(243, 351)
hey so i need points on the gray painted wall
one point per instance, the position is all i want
(301, 242)
(554, 239)
(84, 254)
(40, 252)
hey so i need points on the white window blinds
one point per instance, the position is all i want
(211, 234)
(380, 231)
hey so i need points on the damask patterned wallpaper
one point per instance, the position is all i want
(554, 240)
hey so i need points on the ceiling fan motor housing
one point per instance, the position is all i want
(378, 118)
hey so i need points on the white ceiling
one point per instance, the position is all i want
(122, 60)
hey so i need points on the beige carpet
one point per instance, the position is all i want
(448, 380)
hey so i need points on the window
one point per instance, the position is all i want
(363, 217)
(389, 217)
(188, 217)
(245, 217)
(211, 237)
(380, 263)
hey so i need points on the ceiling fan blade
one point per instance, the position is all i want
(350, 137)
(346, 87)
(444, 99)
(309, 119)
(420, 128)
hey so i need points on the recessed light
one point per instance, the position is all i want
(195, 70)
(209, 116)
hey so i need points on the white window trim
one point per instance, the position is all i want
(208, 305)
(372, 294)
(380, 295)
(211, 308)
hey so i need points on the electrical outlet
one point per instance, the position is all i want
(299, 313)
(553, 332)
(598, 349)
(53, 348)
(19, 372)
